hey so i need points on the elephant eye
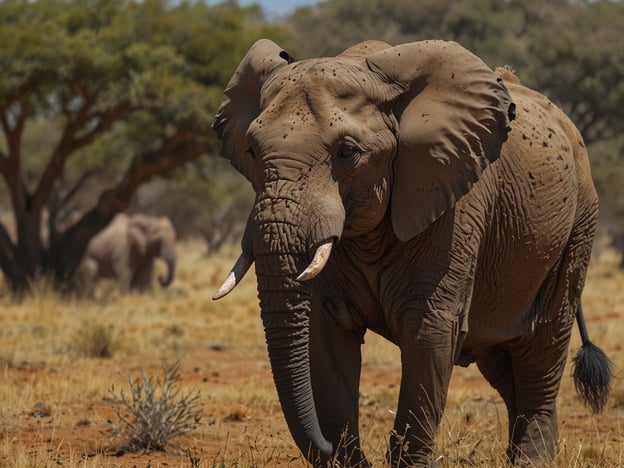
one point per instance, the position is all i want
(349, 149)
(251, 153)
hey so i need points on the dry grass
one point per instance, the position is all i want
(51, 360)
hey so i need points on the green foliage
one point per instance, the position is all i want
(198, 194)
(578, 61)
(168, 64)
(155, 411)
(96, 98)
(477, 24)
(607, 161)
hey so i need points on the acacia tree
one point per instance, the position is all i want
(146, 71)
(577, 59)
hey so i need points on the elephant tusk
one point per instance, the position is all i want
(239, 269)
(318, 262)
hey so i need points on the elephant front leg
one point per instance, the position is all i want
(335, 357)
(428, 343)
(123, 271)
(142, 278)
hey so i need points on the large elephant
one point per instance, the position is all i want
(395, 194)
(126, 250)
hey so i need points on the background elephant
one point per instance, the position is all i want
(395, 194)
(126, 249)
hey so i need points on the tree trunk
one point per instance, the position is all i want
(22, 261)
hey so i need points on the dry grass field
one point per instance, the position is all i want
(55, 379)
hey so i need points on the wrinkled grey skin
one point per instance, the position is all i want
(126, 250)
(452, 248)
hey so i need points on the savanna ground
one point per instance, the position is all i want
(55, 400)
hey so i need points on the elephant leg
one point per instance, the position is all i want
(531, 411)
(124, 275)
(335, 359)
(142, 277)
(538, 360)
(497, 369)
(428, 343)
(89, 269)
(537, 372)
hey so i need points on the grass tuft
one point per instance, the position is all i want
(95, 340)
(155, 411)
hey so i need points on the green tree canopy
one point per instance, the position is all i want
(577, 59)
(128, 87)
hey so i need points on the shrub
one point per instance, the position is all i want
(155, 410)
(96, 340)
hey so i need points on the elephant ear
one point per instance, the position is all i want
(240, 104)
(137, 236)
(364, 49)
(453, 116)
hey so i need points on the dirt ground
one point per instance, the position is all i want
(78, 430)
(57, 408)
(231, 435)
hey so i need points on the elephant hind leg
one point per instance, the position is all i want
(538, 360)
(533, 431)
(529, 398)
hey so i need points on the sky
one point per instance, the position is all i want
(278, 7)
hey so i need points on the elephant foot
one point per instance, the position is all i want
(405, 460)
(409, 463)
(520, 458)
(533, 440)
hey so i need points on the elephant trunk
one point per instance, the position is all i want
(169, 256)
(283, 235)
(285, 304)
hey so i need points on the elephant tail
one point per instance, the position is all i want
(593, 370)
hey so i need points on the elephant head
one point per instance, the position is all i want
(334, 145)
(152, 237)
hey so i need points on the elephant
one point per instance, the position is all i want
(412, 191)
(126, 250)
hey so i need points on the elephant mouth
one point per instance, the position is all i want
(244, 262)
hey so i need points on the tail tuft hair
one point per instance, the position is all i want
(593, 373)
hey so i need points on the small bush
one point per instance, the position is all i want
(155, 411)
(95, 340)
